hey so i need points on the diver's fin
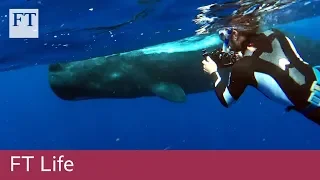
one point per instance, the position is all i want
(169, 91)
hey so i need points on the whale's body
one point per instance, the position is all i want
(170, 70)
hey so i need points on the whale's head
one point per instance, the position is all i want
(101, 76)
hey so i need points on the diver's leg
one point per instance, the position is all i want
(314, 115)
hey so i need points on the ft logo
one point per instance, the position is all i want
(23, 23)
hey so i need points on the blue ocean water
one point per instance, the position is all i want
(32, 117)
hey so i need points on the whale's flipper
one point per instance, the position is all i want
(169, 91)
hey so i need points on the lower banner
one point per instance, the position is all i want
(159, 165)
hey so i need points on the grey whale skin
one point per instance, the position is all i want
(169, 70)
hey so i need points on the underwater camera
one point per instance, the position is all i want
(222, 59)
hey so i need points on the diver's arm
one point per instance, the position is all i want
(228, 94)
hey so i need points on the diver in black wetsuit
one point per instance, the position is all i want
(270, 63)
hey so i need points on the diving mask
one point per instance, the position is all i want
(225, 35)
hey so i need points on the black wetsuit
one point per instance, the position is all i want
(274, 68)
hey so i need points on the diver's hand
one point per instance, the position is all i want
(209, 66)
